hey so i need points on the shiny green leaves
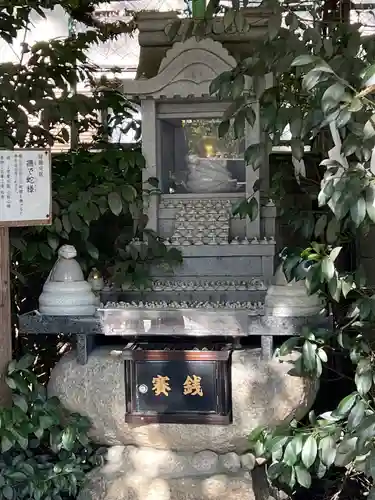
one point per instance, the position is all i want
(45, 453)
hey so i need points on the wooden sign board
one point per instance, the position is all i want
(25, 187)
(25, 200)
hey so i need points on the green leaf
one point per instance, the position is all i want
(313, 281)
(346, 451)
(46, 421)
(274, 470)
(290, 456)
(223, 128)
(309, 452)
(364, 366)
(322, 355)
(297, 148)
(68, 439)
(21, 402)
(238, 86)
(115, 203)
(217, 82)
(239, 125)
(345, 405)
(45, 251)
(335, 253)
(129, 193)
(363, 383)
(288, 346)
(308, 353)
(76, 221)
(334, 287)
(25, 362)
(368, 73)
(327, 447)
(358, 211)
(320, 225)
(7, 492)
(311, 79)
(356, 415)
(343, 117)
(252, 209)
(328, 268)
(332, 97)
(274, 25)
(17, 476)
(153, 181)
(229, 18)
(369, 128)
(256, 433)
(355, 105)
(254, 156)
(333, 230)
(53, 241)
(20, 383)
(346, 286)
(66, 223)
(304, 60)
(250, 115)
(92, 250)
(370, 202)
(7, 441)
(303, 476)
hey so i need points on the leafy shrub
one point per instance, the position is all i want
(45, 452)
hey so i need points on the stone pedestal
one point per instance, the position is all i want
(150, 474)
(262, 394)
(178, 461)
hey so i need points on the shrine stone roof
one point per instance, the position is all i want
(155, 42)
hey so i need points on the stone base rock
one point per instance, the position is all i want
(132, 473)
(136, 487)
(262, 394)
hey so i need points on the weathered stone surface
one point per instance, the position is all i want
(138, 487)
(231, 462)
(262, 394)
(149, 474)
(168, 464)
(248, 461)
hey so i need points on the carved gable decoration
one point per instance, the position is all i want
(187, 70)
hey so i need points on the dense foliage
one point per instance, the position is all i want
(313, 74)
(314, 79)
(45, 452)
(53, 95)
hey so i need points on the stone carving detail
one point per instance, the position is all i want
(198, 285)
(255, 308)
(205, 222)
(285, 299)
(202, 222)
(173, 202)
(187, 70)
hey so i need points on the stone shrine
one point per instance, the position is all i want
(192, 372)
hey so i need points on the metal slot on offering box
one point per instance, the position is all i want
(180, 322)
(175, 385)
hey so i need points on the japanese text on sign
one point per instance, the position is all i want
(192, 386)
(25, 186)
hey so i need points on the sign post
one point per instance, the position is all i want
(25, 200)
